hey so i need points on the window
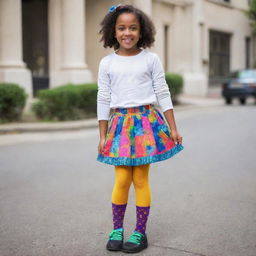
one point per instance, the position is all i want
(166, 46)
(247, 52)
(35, 41)
(219, 55)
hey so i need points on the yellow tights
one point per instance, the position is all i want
(139, 176)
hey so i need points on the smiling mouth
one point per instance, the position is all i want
(127, 40)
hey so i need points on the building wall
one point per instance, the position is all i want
(160, 21)
(75, 50)
(189, 23)
(182, 32)
(55, 39)
(231, 19)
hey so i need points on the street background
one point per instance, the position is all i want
(55, 198)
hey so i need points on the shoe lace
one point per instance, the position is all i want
(135, 238)
(116, 234)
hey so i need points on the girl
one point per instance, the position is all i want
(130, 82)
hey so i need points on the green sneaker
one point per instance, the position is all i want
(136, 243)
(115, 242)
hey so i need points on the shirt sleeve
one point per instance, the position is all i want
(104, 92)
(160, 86)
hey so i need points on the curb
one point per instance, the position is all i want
(14, 128)
(48, 127)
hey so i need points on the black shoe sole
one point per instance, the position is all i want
(114, 250)
(135, 250)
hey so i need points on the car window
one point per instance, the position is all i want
(247, 74)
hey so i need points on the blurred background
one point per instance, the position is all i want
(55, 198)
(48, 43)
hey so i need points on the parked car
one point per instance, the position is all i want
(239, 84)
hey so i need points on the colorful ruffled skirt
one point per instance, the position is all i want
(137, 136)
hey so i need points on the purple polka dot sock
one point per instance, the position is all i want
(142, 217)
(118, 211)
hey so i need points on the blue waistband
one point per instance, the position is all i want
(132, 110)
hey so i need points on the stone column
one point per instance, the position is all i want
(12, 67)
(72, 67)
(145, 6)
(73, 34)
(177, 40)
(196, 82)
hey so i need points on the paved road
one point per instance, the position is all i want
(55, 198)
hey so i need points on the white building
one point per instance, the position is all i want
(47, 43)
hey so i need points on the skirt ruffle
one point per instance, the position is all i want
(137, 136)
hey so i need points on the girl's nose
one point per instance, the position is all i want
(127, 31)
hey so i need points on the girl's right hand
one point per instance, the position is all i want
(101, 146)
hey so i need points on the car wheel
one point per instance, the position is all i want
(242, 101)
(228, 101)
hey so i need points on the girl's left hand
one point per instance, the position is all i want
(176, 137)
(101, 146)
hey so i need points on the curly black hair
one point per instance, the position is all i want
(147, 28)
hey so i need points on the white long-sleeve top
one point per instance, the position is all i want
(131, 81)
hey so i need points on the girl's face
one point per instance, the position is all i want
(127, 33)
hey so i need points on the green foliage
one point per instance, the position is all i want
(175, 84)
(68, 102)
(71, 102)
(12, 102)
(251, 13)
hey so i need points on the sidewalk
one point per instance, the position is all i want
(186, 102)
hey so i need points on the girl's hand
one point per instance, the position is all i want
(101, 146)
(103, 126)
(176, 137)
(169, 116)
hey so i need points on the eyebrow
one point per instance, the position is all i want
(130, 25)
